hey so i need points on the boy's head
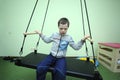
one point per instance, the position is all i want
(63, 25)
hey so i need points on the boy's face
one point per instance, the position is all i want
(63, 28)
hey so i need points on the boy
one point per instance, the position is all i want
(56, 58)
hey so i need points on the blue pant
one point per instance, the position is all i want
(59, 71)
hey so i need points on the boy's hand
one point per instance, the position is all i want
(88, 38)
(37, 32)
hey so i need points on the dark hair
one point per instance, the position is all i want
(63, 21)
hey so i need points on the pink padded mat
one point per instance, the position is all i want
(114, 45)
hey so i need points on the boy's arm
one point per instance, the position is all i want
(31, 33)
(45, 38)
(80, 43)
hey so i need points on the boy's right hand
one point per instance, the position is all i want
(37, 32)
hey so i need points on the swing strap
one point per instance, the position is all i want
(90, 32)
(86, 48)
(42, 26)
(21, 51)
(88, 28)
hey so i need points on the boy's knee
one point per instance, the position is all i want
(59, 75)
(42, 69)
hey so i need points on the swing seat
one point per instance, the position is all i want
(75, 67)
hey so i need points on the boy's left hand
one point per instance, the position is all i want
(86, 37)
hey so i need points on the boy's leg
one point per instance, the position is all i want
(42, 68)
(59, 72)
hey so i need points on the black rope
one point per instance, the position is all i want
(89, 31)
(86, 48)
(42, 26)
(21, 51)
(87, 18)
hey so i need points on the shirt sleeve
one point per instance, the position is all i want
(46, 39)
(76, 46)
